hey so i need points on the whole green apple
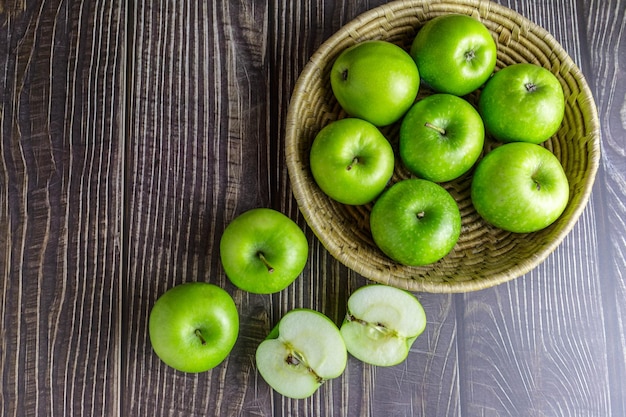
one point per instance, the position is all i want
(520, 187)
(381, 324)
(193, 326)
(522, 102)
(441, 137)
(415, 222)
(454, 54)
(263, 251)
(375, 80)
(303, 351)
(351, 161)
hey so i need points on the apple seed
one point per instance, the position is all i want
(296, 359)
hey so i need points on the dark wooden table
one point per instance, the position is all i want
(133, 132)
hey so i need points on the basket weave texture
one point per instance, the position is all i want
(484, 255)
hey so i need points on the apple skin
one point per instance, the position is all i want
(375, 80)
(522, 102)
(263, 251)
(520, 187)
(351, 161)
(185, 309)
(441, 137)
(415, 222)
(454, 54)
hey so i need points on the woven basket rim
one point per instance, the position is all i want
(484, 10)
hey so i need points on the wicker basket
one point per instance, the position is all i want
(484, 255)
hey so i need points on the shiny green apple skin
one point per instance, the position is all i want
(520, 187)
(454, 53)
(522, 103)
(351, 161)
(263, 251)
(441, 137)
(415, 222)
(193, 326)
(376, 81)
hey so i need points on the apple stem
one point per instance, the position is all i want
(354, 162)
(437, 128)
(269, 267)
(199, 334)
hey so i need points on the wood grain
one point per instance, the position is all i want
(61, 100)
(132, 133)
(606, 28)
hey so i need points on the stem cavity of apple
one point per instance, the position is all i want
(296, 359)
(441, 131)
(199, 334)
(354, 162)
(530, 87)
(269, 267)
(344, 75)
(470, 55)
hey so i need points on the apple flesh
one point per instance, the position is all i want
(520, 187)
(441, 137)
(193, 326)
(351, 161)
(381, 324)
(415, 222)
(375, 81)
(263, 251)
(303, 351)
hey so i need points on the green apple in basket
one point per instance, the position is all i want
(520, 187)
(381, 324)
(415, 222)
(193, 326)
(522, 102)
(303, 351)
(351, 161)
(263, 251)
(441, 137)
(375, 80)
(454, 54)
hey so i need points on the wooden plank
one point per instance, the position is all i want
(605, 27)
(61, 117)
(536, 346)
(197, 157)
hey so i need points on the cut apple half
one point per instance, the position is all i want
(303, 351)
(381, 324)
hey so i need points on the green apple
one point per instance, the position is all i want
(375, 80)
(441, 137)
(193, 326)
(303, 351)
(415, 222)
(381, 324)
(454, 54)
(351, 161)
(522, 103)
(263, 251)
(520, 187)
